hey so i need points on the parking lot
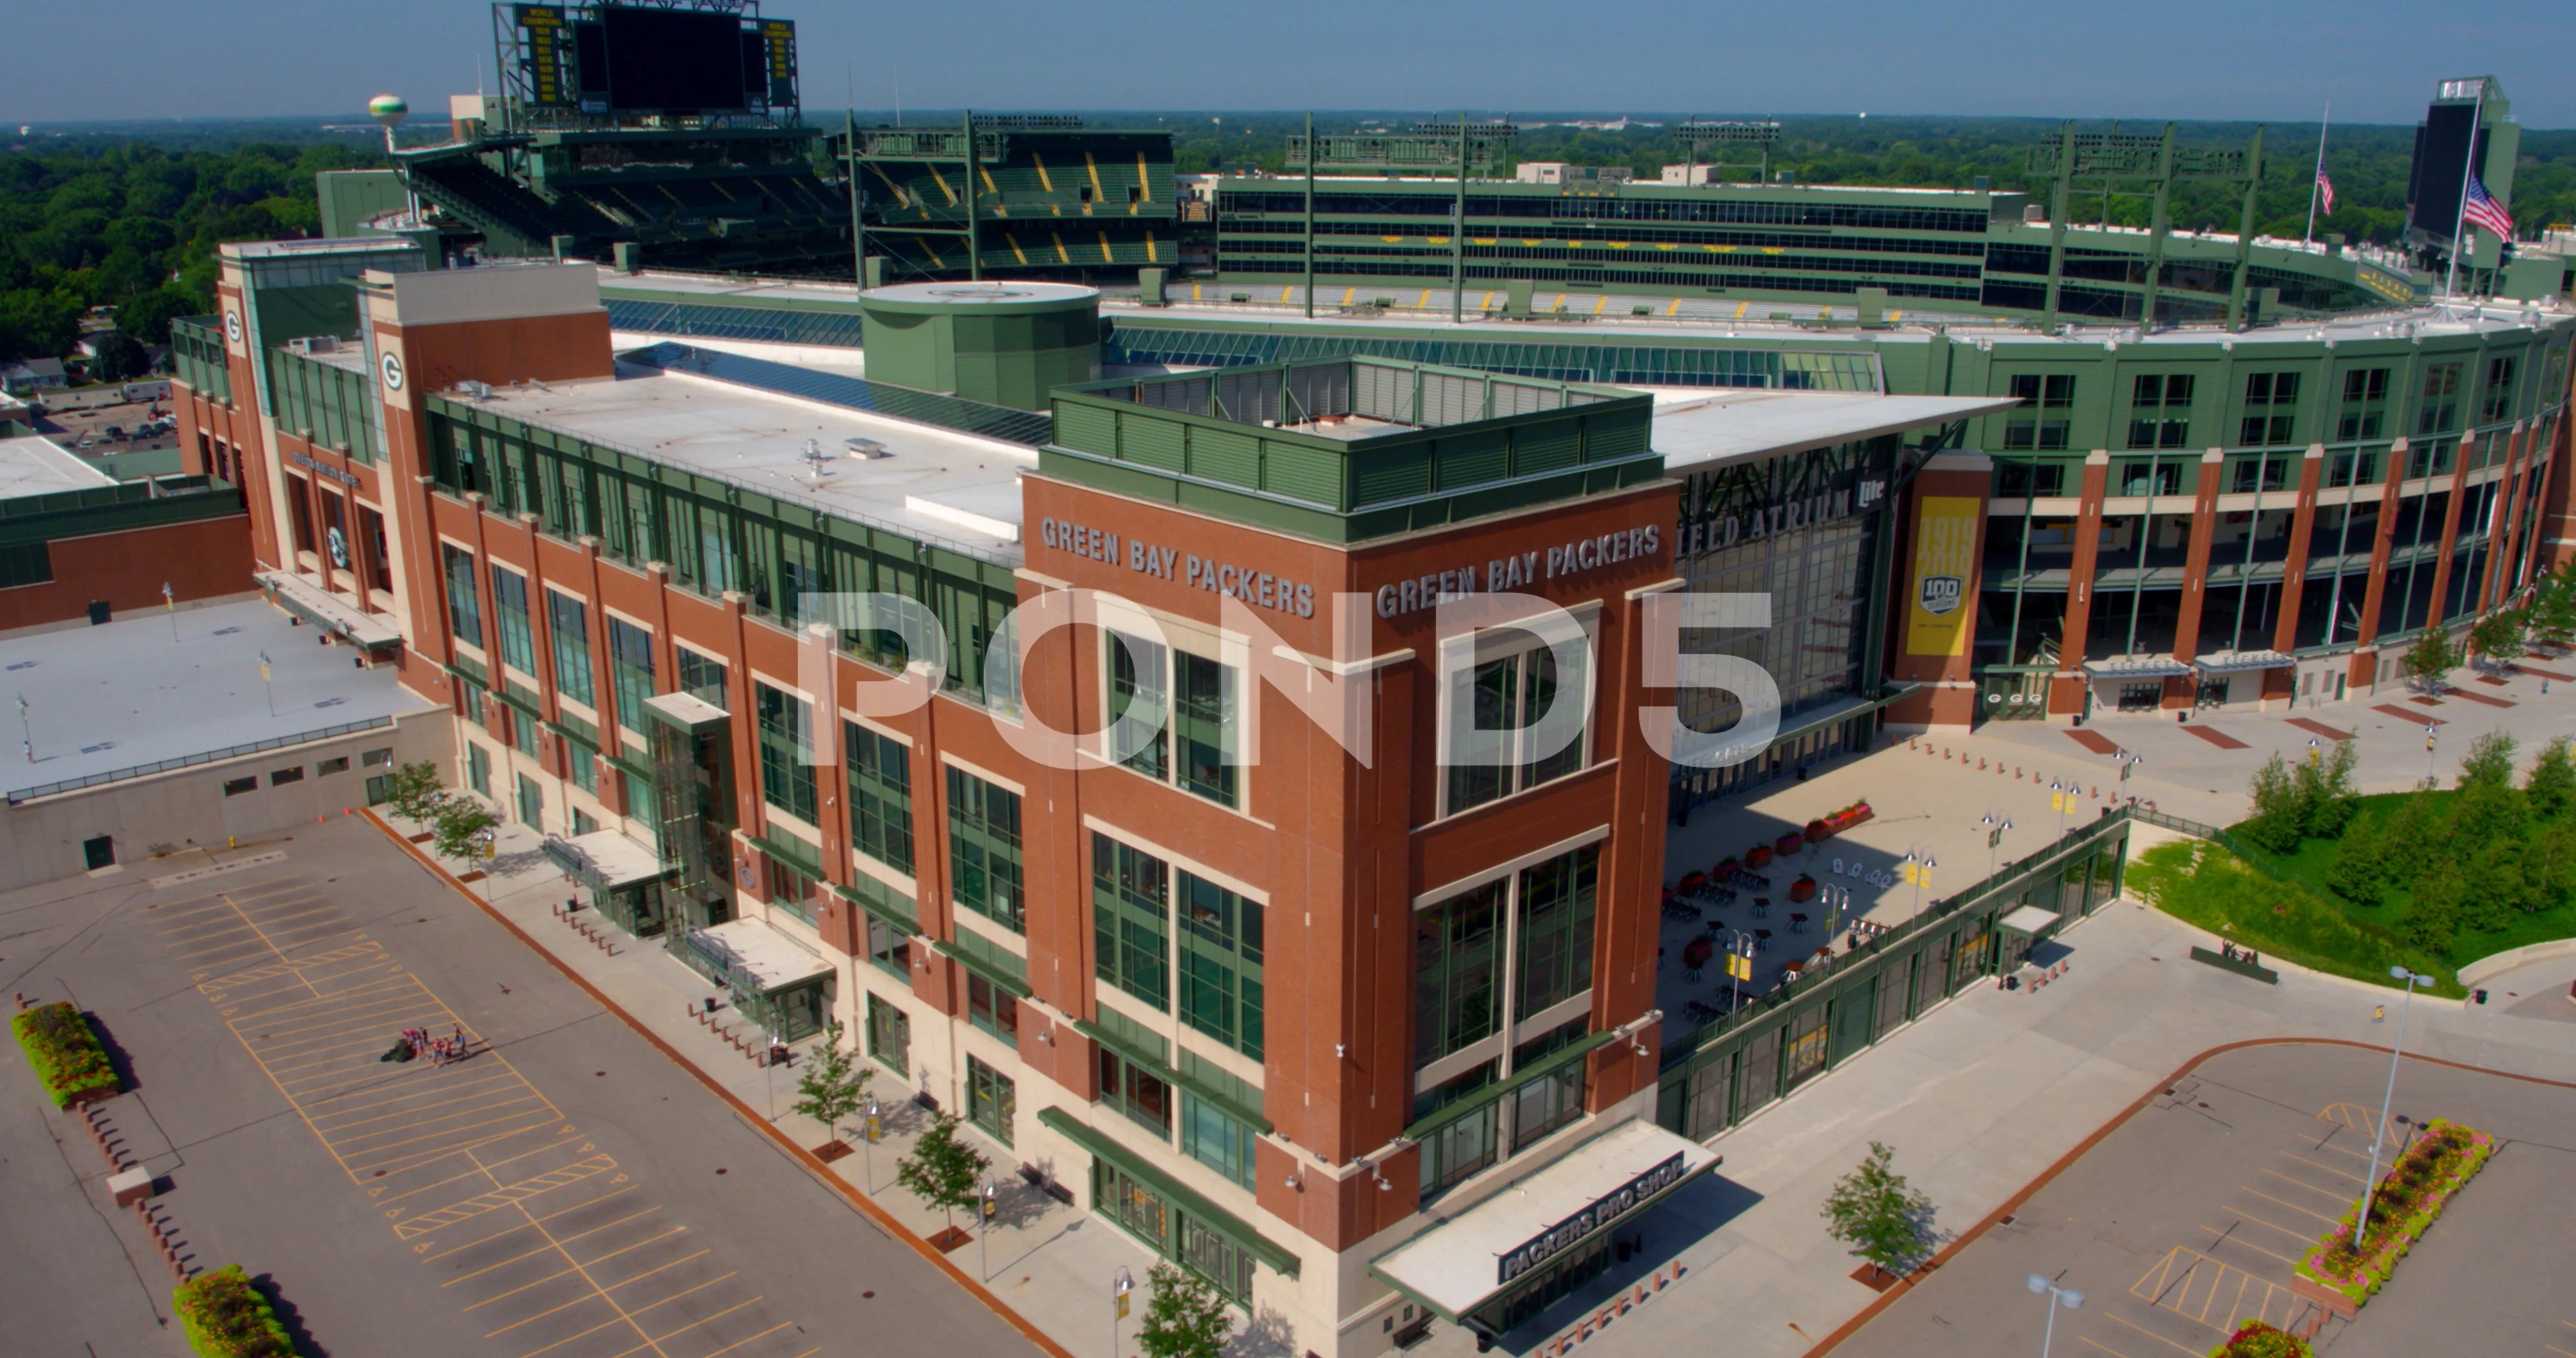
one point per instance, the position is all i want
(2187, 1220)
(564, 1191)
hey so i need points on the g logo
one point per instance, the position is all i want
(393, 372)
(233, 328)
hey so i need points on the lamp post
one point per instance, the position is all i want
(1739, 965)
(1119, 1287)
(2396, 1050)
(1996, 822)
(1918, 866)
(2060, 797)
(868, 1144)
(2431, 732)
(2057, 1296)
(983, 1228)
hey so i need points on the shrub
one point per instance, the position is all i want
(2254, 1339)
(65, 1051)
(225, 1317)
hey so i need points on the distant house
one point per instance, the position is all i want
(31, 374)
(95, 343)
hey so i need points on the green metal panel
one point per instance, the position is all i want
(1153, 442)
(1472, 459)
(1300, 472)
(1224, 455)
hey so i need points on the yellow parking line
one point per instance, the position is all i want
(455, 1098)
(362, 1107)
(2329, 1192)
(480, 1107)
(622, 1318)
(656, 1341)
(2115, 1353)
(551, 1116)
(2293, 1207)
(2195, 1353)
(2294, 1235)
(2340, 1174)
(551, 1241)
(719, 1353)
(2247, 1244)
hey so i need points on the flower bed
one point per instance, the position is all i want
(67, 1055)
(2418, 1186)
(2254, 1339)
(225, 1317)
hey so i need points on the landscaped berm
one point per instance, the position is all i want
(225, 1317)
(2416, 1190)
(2429, 880)
(66, 1053)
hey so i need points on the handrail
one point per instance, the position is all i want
(190, 761)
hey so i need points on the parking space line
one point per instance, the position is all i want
(621, 1319)
(362, 1107)
(448, 1102)
(541, 1249)
(2194, 1353)
(2226, 1238)
(2292, 1206)
(2338, 1173)
(740, 1342)
(508, 1195)
(2334, 1193)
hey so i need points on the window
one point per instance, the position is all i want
(1197, 752)
(478, 769)
(2150, 476)
(984, 849)
(702, 677)
(523, 732)
(889, 1035)
(993, 1008)
(584, 767)
(2160, 410)
(1462, 1147)
(1456, 947)
(1556, 905)
(510, 606)
(791, 890)
(1542, 1105)
(1131, 920)
(889, 947)
(281, 777)
(630, 658)
(2020, 480)
(234, 787)
(991, 1102)
(2041, 420)
(1217, 1139)
(568, 621)
(582, 823)
(532, 803)
(880, 774)
(372, 758)
(2271, 409)
(2248, 474)
(1136, 1091)
(2365, 405)
(2439, 410)
(786, 745)
(2352, 469)
(1807, 1049)
(1503, 713)
(2496, 402)
(1761, 1068)
(464, 604)
(328, 767)
(1221, 964)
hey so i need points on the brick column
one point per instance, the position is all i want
(2450, 531)
(2195, 573)
(1945, 539)
(2066, 687)
(2284, 683)
(2497, 582)
(2365, 652)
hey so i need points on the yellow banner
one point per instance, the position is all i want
(1945, 564)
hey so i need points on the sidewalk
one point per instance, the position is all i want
(1050, 1262)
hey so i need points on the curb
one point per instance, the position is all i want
(2014, 1203)
(801, 1155)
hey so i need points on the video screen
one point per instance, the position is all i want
(672, 60)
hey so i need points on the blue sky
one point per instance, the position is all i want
(2044, 58)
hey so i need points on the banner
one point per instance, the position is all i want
(1945, 564)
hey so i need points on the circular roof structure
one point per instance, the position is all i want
(997, 295)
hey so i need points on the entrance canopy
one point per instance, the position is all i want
(1471, 1259)
(2136, 667)
(2241, 662)
(604, 859)
(756, 958)
(2035, 921)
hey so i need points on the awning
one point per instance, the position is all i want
(2241, 662)
(1142, 1168)
(1469, 1260)
(2034, 921)
(604, 859)
(2137, 667)
(687, 711)
(331, 614)
(756, 957)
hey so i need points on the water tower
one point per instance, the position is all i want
(390, 110)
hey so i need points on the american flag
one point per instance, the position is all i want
(2325, 189)
(2482, 210)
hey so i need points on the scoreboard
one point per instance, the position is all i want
(606, 59)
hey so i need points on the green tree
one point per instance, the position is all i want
(2419, 833)
(942, 1170)
(457, 828)
(833, 1083)
(2360, 871)
(2337, 798)
(147, 315)
(413, 791)
(2489, 762)
(2431, 657)
(1185, 1318)
(2551, 784)
(2549, 866)
(2553, 608)
(2497, 637)
(2276, 825)
(2432, 918)
(2494, 889)
(1884, 1220)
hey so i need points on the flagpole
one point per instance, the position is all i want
(2319, 177)
(2468, 166)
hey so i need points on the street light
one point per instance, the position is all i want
(2370, 1186)
(2431, 731)
(868, 1144)
(1918, 866)
(983, 1228)
(1119, 1287)
(1996, 822)
(2057, 1296)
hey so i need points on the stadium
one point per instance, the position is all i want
(569, 412)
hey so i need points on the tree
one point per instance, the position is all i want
(2553, 608)
(147, 315)
(2276, 824)
(1883, 1219)
(2489, 763)
(2432, 918)
(458, 826)
(2336, 798)
(2360, 871)
(833, 1083)
(414, 793)
(1185, 1317)
(942, 1170)
(120, 359)
(2494, 889)
(2431, 657)
(2549, 866)
(2551, 784)
(2497, 637)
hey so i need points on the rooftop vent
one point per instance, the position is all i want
(480, 391)
(314, 344)
(868, 449)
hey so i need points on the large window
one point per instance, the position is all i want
(1198, 750)
(1544, 1104)
(510, 605)
(2438, 410)
(568, 623)
(993, 1008)
(2159, 410)
(1503, 711)
(880, 772)
(1457, 955)
(1221, 964)
(1556, 905)
(786, 758)
(630, 652)
(464, 603)
(984, 849)
(889, 1036)
(703, 677)
(2271, 409)
(2048, 403)
(992, 1103)
(1217, 1139)
(2364, 412)
(1131, 1088)
(1139, 705)
(1169, 1231)
(1131, 920)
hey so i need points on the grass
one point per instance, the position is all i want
(2202, 883)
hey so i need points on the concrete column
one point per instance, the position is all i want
(2450, 530)
(2066, 687)
(2284, 683)
(2195, 573)
(1945, 537)
(2365, 653)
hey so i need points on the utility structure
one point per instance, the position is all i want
(2152, 166)
(1723, 139)
(1462, 148)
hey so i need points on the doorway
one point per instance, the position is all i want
(101, 852)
